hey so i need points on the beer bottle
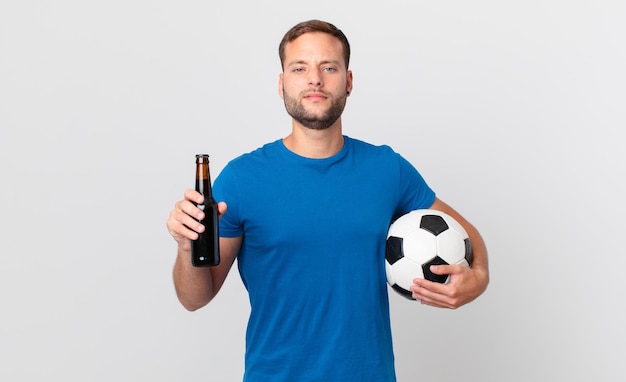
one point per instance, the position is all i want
(205, 251)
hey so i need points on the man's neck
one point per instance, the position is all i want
(317, 144)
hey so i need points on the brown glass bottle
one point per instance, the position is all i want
(205, 251)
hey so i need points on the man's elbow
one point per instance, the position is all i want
(192, 306)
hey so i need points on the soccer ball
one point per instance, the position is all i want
(419, 239)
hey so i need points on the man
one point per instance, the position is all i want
(307, 220)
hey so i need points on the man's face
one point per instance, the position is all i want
(315, 83)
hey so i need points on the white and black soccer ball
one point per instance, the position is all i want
(419, 239)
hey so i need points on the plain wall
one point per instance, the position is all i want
(510, 110)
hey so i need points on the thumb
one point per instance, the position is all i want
(221, 208)
(442, 269)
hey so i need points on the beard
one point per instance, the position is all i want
(311, 120)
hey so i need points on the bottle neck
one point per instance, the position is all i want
(203, 180)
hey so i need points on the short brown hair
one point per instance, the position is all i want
(314, 26)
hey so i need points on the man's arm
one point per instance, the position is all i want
(197, 286)
(466, 284)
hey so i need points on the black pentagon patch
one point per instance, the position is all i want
(403, 292)
(428, 275)
(434, 224)
(394, 252)
(469, 255)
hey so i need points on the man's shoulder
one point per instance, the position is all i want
(259, 154)
(361, 146)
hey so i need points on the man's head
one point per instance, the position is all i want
(315, 81)
(314, 26)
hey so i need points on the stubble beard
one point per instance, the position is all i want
(310, 120)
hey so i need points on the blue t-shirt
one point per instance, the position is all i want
(312, 257)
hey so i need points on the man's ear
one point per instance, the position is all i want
(349, 83)
(280, 85)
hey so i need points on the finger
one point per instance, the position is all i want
(221, 208)
(186, 207)
(444, 269)
(188, 230)
(428, 297)
(429, 290)
(432, 286)
(181, 224)
(436, 304)
(194, 196)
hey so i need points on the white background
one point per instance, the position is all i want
(510, 110)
